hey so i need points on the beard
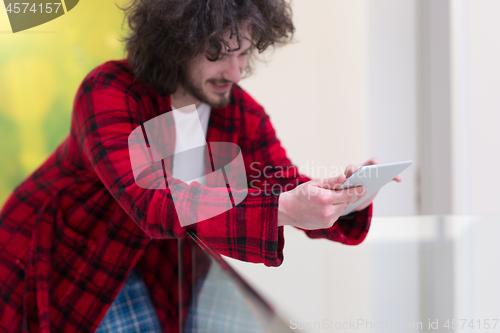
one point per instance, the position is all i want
(220, 101)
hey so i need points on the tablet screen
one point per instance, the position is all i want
(373, 178)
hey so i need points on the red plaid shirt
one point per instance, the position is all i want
(71, 232)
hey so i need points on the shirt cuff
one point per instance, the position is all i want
(355, 226)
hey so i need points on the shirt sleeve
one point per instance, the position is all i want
(273, 170)
(104, 115)
(350, 229)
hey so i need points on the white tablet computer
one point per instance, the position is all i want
(373, 177)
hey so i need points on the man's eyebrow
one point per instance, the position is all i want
(248, 48)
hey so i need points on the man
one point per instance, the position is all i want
(80, 228)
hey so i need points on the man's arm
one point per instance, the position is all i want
(302, 202)
(104, 116)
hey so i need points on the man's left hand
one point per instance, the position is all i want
(352, 168)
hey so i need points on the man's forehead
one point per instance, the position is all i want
(233, 45)
(232, 40)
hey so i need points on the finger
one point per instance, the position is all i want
(360, 191)
(348, 194)
(373, 161)
(333, 182)
(352, 202)
(398, 179)
(340, 179)
(350, 169)
(336, 182)
(355, 199)
(370, 199)
(323, 196)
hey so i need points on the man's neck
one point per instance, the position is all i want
(181, 98)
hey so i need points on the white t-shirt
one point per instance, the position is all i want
(190, 132)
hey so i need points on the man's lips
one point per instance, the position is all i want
(220, 88)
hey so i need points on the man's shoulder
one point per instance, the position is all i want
(113, 73)
(246, 102)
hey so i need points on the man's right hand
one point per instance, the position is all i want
(316, 204)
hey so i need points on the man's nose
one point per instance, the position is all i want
(233, 71)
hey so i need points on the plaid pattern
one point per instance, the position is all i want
(73, 229)
(220, 308)
(132, 311)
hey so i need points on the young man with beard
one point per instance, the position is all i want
(79, 230)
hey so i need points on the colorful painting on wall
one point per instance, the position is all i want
(40, 71)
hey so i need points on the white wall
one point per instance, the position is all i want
(346, 91)
(482, 105)
(396, 79)
(460, 85)
(316, 90)
(393, 53)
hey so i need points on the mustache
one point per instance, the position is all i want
(220, 82)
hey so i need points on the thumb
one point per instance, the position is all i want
(331, 183)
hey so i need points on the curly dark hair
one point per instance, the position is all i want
(166, 34)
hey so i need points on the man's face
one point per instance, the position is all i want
(211, 81)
